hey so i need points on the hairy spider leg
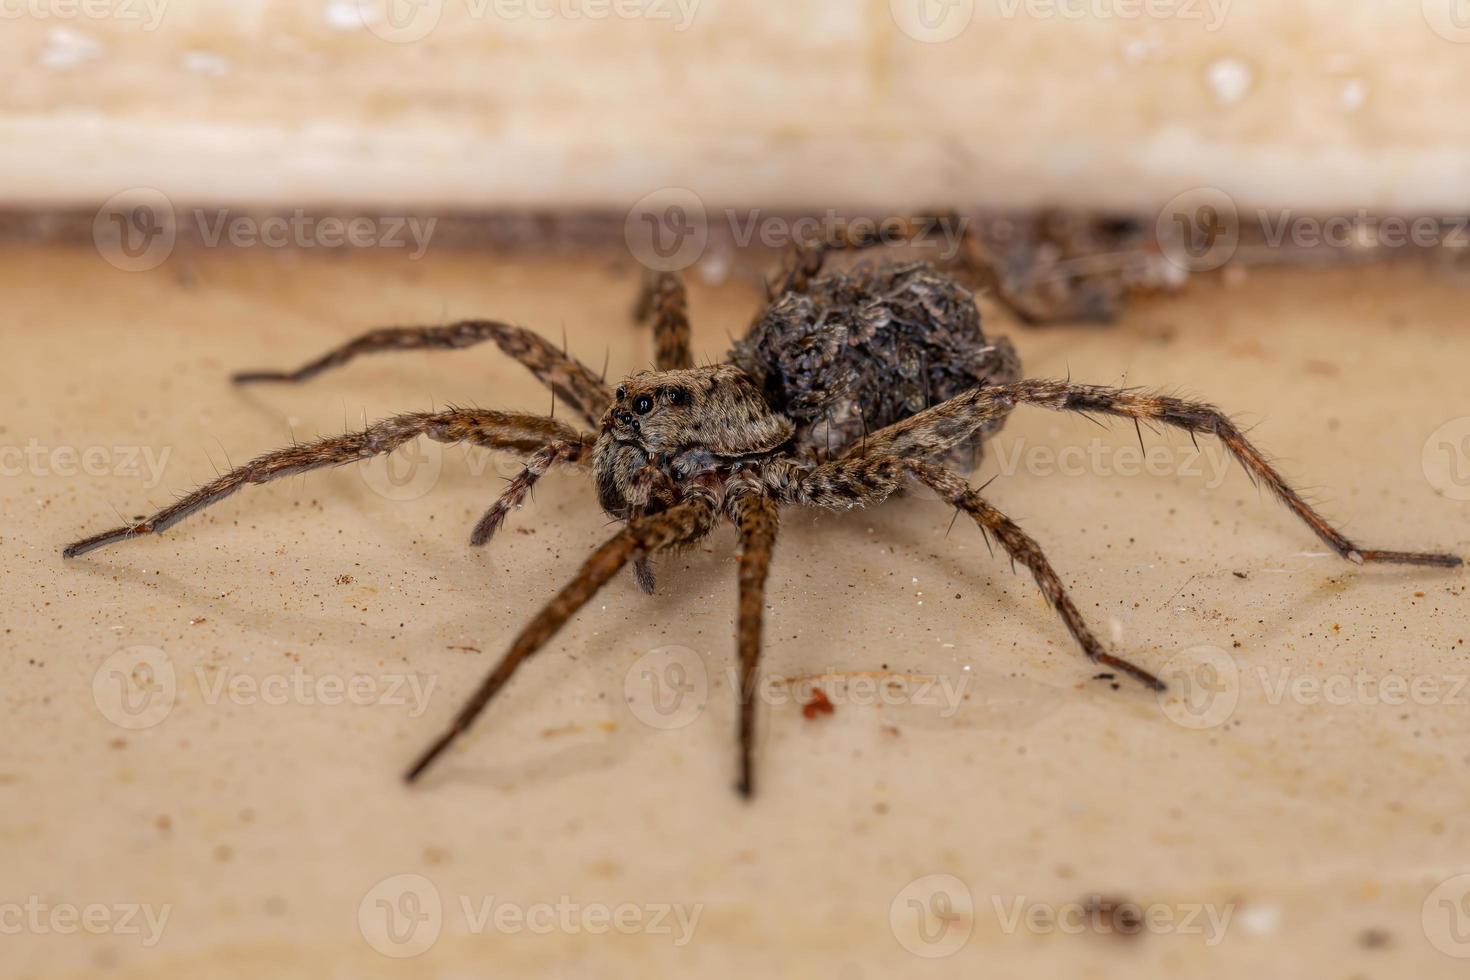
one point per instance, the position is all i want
(756, 517)
(566, 376)
(926, 433)
(493, 430)
(663, 299)
(563, 453)
(681, 524)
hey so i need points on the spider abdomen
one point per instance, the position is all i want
(865, 349)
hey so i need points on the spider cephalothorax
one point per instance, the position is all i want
(674, 425)
(847, 388)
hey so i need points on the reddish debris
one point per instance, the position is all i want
(818, 705)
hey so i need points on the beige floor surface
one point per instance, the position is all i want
(1311, 813)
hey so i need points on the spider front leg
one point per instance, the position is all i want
(493, 430)
(681, 524)
(569, 378)
(563, 453)
(926, 434)
(756, 517)
(664, 299)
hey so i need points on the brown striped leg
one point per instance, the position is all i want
(1022, 548)
(543, 459)
(571, 380)
(651, 492)
(978, 266)
(983, 270)
(494, 430)
(926, 434)
(681, 524)
(664, 300)
(756, 517)
(870, 478)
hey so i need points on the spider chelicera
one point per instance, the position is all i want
(847, 387)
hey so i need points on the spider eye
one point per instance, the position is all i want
(643, 404)
(678, 396)
(621, 393)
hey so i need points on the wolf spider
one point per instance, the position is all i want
(846, 387)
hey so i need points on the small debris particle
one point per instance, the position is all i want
(466, 649)
(197, 620)
(344, 579)
(1240, 574)
(1109, 916)
(818, 705)
(164, 822)
(1374, 938)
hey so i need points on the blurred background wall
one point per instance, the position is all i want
(508, 104)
